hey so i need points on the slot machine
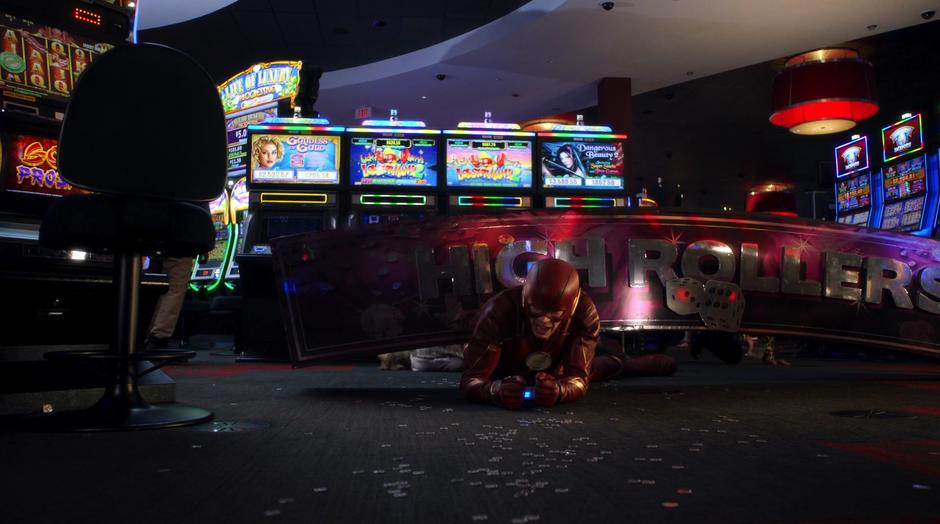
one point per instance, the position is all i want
(393, 171)
(208, 273)
(45, 47)
(238, 208)
(293, 178)
(582, 167)
(489, 167)
(855, 197)
(908, 179)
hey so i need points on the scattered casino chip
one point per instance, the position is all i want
(670, 504)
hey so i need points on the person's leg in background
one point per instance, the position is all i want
(611, 361)
(167, 311)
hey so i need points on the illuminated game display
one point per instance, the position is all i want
(853, 200)
(582, 166)
(497, 161)
(38, 61)
(902, 138)
(494, 161)
(31, 166)
(393, 171)
(251, 97)
(853, 183)
(581, 163)
(908, 179)
(905, 188)
(294, 159)
(208, 273)
(394, 161)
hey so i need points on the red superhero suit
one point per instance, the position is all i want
(549, 314)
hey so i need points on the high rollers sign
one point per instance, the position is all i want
(416, 284)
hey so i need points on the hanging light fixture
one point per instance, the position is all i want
(824, 91)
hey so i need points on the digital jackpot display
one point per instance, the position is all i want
(852, 157)
(294, 158)
(236, 130)
(902, 138)
(497, 161)
(582, 163)
(38, 61)
(853, 193)
(393, 161)
(905, 179)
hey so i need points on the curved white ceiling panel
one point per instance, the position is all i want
(158, 13)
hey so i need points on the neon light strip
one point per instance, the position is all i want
(920, 130)
(485, 132)
(486, 125)
(389, 130)
(223, 266)
(393, 123)
(582, 128)
(585, 135)
(862, 168)
(582, 202)
(488, 201)
(278, 127)
(300, 198)
(367, 200)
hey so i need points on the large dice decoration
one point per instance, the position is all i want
(685, 296)
(723, 307)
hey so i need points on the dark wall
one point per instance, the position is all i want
(712, 136)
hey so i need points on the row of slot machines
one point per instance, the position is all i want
(306, 175)
(388, 170)
(293, 183)
(900, 194)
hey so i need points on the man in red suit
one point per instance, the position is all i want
(543, 335)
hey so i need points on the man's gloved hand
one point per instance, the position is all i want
(507, 392)
(547, 390)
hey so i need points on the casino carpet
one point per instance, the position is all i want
(824, 441)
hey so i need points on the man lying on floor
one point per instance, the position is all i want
(543, 335)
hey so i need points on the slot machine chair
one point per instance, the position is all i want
(126, 104)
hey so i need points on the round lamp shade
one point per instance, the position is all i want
(824, 91)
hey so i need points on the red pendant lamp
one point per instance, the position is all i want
(824, 91)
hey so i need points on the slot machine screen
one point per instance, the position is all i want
(853, 193)
(493, 161)
(393, 161)
(294, 159)
(905, 179)
(902, 138)
(31, 166)
(38, 61)
(852, 157)
(582, 163)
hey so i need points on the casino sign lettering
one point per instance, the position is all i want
(846, 276)
(38, 168)
(308, 144)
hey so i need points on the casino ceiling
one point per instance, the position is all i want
(518, 59)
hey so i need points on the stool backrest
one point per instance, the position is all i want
(146, 121)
